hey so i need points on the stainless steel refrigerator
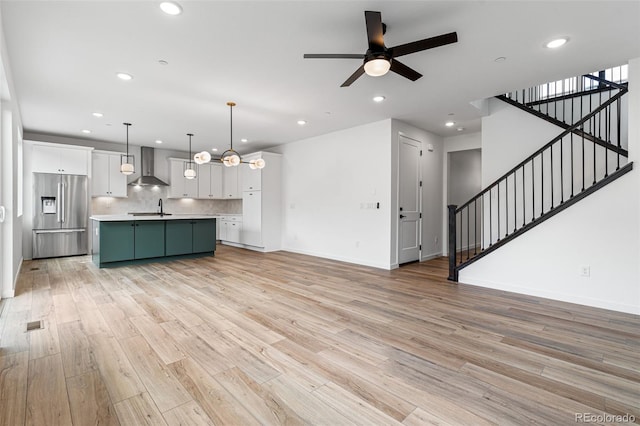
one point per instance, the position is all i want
(60, 215)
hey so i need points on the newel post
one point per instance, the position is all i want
(453, 273)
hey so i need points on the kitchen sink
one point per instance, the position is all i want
(149, 214)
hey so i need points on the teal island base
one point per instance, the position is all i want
(128, 242)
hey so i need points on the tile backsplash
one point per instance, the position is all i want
(145, 199)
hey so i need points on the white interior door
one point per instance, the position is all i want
(409, 200)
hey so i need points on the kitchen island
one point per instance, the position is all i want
(125, 239)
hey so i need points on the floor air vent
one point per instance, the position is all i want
(34, 325)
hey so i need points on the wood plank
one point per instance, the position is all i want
(13, 387)
(47, 401)
(77, 357)
(139, 410)
(158, 339)
(14, 336)
(66, 310)
(165, 391)
(219, 404)
(89, 400)
(188, 414)
(116, 370)
(117, 320)
(44, 342)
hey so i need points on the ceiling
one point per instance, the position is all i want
(64, 57)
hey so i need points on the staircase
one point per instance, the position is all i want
(589, 152)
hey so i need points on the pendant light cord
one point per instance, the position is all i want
(127, 124)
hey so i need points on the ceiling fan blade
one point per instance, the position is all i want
(405, 71)
(353, 77)
(374, 30)
(333, 56)
(427, 43)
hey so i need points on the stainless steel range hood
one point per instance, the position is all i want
(147, 162)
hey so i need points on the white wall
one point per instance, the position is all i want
(11, 128)
(432, 196)
(327, 184)
(601, 231)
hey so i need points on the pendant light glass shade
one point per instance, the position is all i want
(202, 157)
(189, 166)
(127, 161)
(257, 164)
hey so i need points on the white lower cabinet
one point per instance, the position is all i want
(230, 229)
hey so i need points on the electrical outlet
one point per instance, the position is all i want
(585, 271)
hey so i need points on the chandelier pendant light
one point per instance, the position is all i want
(127, 161)
(190, 166)
(230, 158)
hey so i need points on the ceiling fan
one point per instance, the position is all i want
(379, 59)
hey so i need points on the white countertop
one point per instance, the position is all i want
(123, 217)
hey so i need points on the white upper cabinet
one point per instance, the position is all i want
(251, 178)
(106, 179)
(60, 159)
(181, 187)
(231, 183)
(210, 181)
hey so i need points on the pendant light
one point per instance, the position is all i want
(127, 161)
(189, 166)
(230, 157)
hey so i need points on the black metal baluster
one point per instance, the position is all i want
(561, 171)
(542, 184)
(593, 118)
(551, 170)
(533, 190)
(583, 157)
(506, 206)
(515, 202)
(453, 276)
(475, 226)
(618, 130)
(468, 234)
(460, 237)
(524, 211)
(490, 220)
(607, 142)
(498, 197)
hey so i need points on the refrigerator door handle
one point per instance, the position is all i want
(62, 202)
(58, 205)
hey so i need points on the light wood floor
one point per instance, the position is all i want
(248, 338)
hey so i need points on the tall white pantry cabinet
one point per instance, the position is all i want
(262, 203)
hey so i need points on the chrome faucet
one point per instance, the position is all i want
(160, 205)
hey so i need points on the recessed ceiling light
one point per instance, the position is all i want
(460, 129)
(302, 122)
(378, 98)
(500, 59)
(171, 8)
(244, 140)
(214, 149)
(163, 62)
(554, 44)
(124, 76)
(97, 114)
(449, 123)
(158, 141)
(86, 131)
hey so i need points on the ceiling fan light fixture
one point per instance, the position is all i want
(377, 67)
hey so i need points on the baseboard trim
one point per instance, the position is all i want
(339, 258)
(562, 297)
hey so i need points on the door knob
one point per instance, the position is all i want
(401, 216)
